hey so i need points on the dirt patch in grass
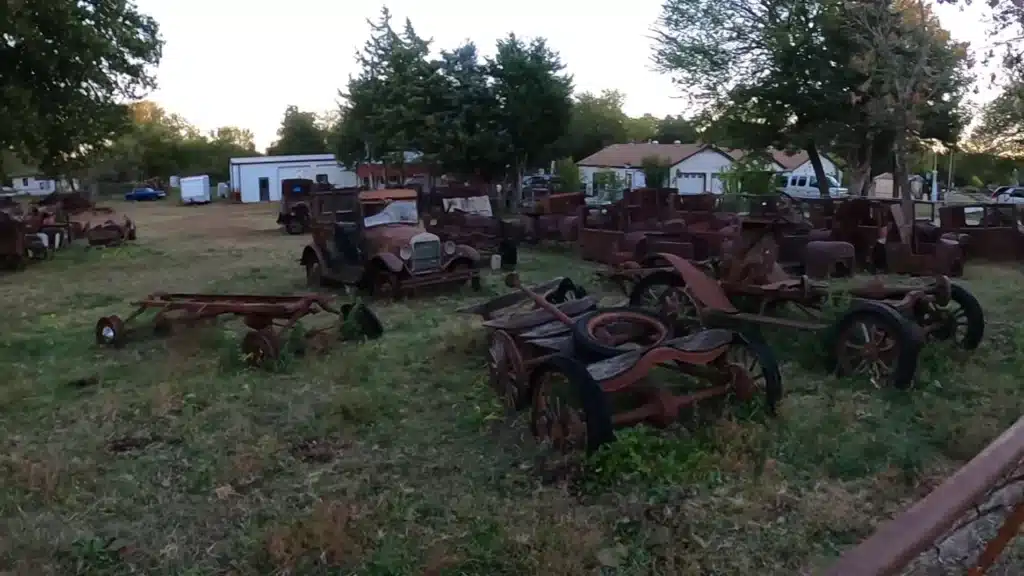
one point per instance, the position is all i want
(394, 457)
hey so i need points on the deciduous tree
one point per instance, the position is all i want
(67, 67)
(300, 133)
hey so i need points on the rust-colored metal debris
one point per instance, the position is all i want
(374, 239)
(994, 232)
(961, 527)
(879, 335)
(269, 319)
(565, 359)
(465, 216)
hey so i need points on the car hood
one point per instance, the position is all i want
(397, 235)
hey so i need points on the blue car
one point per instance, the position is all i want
(146, 193)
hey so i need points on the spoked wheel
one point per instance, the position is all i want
(666, 294)
(875, 341)
(609, 332)
(110, 331)
(760, 370)
(507, 373)
(260, 348)
(569, 412)
(961, 320)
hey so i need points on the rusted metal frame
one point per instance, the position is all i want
(1007, 532)
(893, 546)
(653, 357)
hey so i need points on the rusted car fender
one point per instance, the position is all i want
(393, 263)
(706, 290)
(464, 251)
(311, 253)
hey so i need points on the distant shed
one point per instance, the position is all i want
(258, 179)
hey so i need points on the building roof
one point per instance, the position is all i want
(619, 155)
(284, 159)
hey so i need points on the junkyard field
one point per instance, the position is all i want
(394, 457)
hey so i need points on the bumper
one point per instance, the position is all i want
(440, 278)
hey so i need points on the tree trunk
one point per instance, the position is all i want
(901, 179)
(860, 167)
(819, 170)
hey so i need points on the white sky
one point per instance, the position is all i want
(240, 63)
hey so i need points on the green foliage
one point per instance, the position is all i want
(655, 170)
(607, 180)
(569, 174)
(597, 121)
(300, 133)
(976, 182)
(159, 145)
(465, 115)
(642, 455)
(67, 69)
(749, 175)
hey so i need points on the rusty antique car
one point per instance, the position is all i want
(374, 239)
(294, 213)
(465, 216)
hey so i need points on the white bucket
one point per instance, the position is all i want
(495, 261)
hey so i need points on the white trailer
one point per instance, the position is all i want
(195, 189)
(259, 179)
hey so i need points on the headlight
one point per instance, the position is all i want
(405, 252)
(449, 247)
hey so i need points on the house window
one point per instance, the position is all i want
(393, 179)
(24, 181)
(321, 179)
(366, 182)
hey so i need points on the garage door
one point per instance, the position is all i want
(691, 183)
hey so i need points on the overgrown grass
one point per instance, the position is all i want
(393, 456)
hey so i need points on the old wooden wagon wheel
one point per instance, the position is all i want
(260, 348)
(507, 373)
(110, 331)
(960, 320)
(875, 341)
(569, 412)
(667, 294)
(758, 370)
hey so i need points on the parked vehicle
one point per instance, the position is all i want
(293, 213)
(804, 186)
(145, 193)
(1008, 195)
(374, 239)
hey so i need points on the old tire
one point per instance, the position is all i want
(887, 331)
(754, 355)
(369, 324)
(968, 315)
(260, 348)
(590, 347)
(110, 331)
(588, 405)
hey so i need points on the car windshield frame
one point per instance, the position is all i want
(395, 212)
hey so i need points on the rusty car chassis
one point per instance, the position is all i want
(374, 239)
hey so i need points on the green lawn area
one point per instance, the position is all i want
(394, 457)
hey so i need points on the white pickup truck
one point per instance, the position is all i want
(804, 186)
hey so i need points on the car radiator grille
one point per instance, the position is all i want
(426, 256)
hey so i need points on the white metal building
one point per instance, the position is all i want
(258, 179)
